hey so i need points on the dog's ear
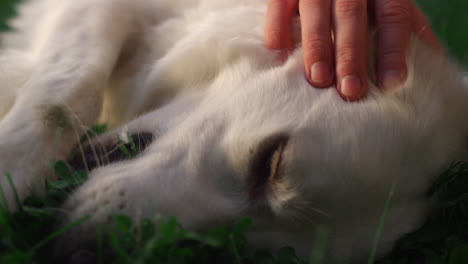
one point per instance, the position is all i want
(436, 88)
(434, 99)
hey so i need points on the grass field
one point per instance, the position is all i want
(25, 236)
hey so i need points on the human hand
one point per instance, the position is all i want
(346, 56)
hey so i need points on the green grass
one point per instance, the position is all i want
(7, 10)
(449, 22)
(26, 236)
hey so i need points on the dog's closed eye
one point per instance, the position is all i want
(265, 164)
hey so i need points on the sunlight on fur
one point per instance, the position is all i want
(227, 128)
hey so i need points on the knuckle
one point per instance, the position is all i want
(273, 38)
(394, 12)
(346, 56)
(315, 43)
(281, 4)
(275, 33)
(349, 8)
(392, 55)
(311, 3)
(276, 3)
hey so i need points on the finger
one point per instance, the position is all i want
(350, 29)
(316, 41)
(393, 22)
(422, 28)
(278, 24)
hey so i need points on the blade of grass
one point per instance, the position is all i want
(127, 145)
(59, 232)
(99, 243)
(234, 249)
(320, 246)
(58, 136)
(4, 200)
(117, 246)
(124, 149)
(381, 224)
(132, 144)
(13, 188)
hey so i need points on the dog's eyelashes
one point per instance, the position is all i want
(265, 164)
(92, 156)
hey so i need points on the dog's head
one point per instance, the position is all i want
(266, 145)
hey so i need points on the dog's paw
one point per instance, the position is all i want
(23, 164)
(26, 151)
(17, 182)
(15, 69)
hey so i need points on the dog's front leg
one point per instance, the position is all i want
(75, 52)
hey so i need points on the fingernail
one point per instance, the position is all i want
(391, 79)
(320, 72)
(350, 85)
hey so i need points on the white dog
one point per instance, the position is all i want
(236, 131)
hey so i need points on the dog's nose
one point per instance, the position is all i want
(93, 156)
(266, 162)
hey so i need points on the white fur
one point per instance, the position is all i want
(196, 74)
